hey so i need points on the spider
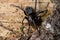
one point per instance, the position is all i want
(31, 16)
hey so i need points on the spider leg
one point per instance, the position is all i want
(23, 20)
(28, 23)
(28, 27)
(23, 23)
(40, 23)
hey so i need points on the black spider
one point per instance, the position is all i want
(31, 16)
